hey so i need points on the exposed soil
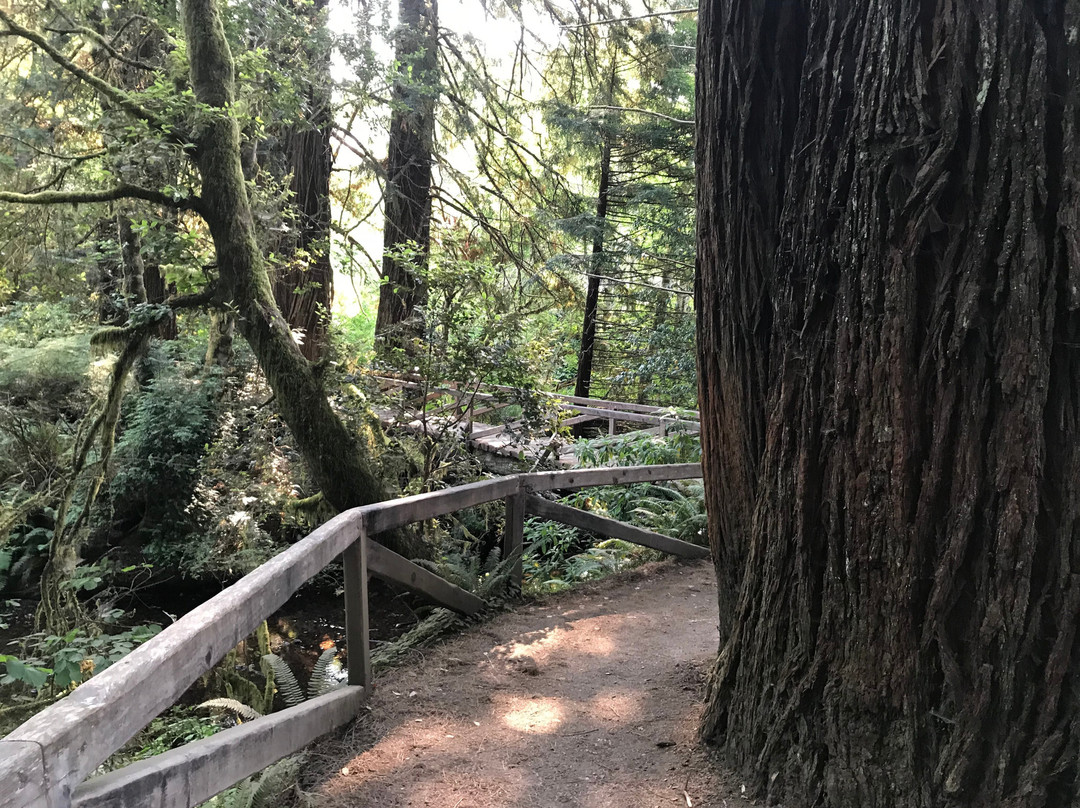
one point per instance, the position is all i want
(585, 699)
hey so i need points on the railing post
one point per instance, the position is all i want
(512, 536)
(354, 560)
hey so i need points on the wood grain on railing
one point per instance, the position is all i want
(608, 475)
(193, 773)
(76, 735)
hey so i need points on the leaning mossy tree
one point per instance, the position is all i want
(888, 299)
(202, 121)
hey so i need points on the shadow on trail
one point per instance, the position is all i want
(589, 699)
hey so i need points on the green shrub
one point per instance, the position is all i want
(165, 435)
(679, 446)
(53, 662)
(55, 371)
(25, 324)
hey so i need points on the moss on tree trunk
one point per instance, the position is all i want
(337, 462)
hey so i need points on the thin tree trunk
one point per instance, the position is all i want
(219, 342)
(890, 391)
(407, 231)
(134, 268)
(583, 382)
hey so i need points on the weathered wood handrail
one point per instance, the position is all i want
(44, 761)
(597, 408)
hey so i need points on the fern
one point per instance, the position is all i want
(239, 796)
(486, 580)
(460, 570)
(237, 708)
(275, 780)
(676, 510)
(321, 681)
(287, 685)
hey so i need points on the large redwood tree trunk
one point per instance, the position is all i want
(888, 285)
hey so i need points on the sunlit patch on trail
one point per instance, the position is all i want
(622, 707)
(587, 636)
(534, 716)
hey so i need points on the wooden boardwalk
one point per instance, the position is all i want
(474, 414)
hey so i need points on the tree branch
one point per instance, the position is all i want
(89, 33)
(631, 19)
(628, 282)
(122, 99)
(640, 111)
(108, 195)
(194, 300)
(75, 158)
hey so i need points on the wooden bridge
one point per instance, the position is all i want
(45, 761)
(473, 412)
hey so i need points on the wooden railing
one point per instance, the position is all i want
(469, 405)
(44, 762)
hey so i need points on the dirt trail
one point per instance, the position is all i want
(588, 699)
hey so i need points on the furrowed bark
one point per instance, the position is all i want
(754, 50)
(888, 293)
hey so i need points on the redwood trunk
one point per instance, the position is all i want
(305, 290)
(888, 284)
(406, 233)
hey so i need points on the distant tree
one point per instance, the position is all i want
(888, 316)
(618, 93)
(407, 228)
(304, 285)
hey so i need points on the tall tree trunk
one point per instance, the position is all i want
(407, 231)
(888, 286)
(583, 382)
(134, 267)
(331, 451)
(305, 290)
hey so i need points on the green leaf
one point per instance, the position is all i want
(35, 677)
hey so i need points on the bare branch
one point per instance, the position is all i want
(194, 300)
(628, 282)
(682, 121)
(74, 158)
(122, 99)
(630, 19)
(190, 202)
(89, 33)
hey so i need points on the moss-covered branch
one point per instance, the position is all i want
(122, 99)
(339, 463)
(125, 191)
(103, 43)
(194, 300)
